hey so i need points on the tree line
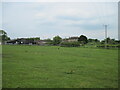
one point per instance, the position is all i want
(57, 40)
(83, 40)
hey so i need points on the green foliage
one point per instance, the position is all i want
(82, 39)
(3, 36)
(109, 46)
(93, 40)
(110, 41)
(34, 38)
(96, 40)
(2, 32)
(48, 67)
(57, 40)
(70, 44)
(49, 41)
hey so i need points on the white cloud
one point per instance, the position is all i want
(0, 15)
(60, 0)
(84, 11)
(50, 19)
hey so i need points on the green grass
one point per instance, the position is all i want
(0, 66)
(50, 67)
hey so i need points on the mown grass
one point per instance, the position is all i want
(59, 67)
(0, 66)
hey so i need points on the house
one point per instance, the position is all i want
(21, 41)
(70, 39)
(41, 42)
(14, 41)
(73, 39)
(27, 41)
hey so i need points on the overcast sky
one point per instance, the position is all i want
(46, 20)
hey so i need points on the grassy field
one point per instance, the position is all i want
(50, 67)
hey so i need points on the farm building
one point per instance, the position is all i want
(41, 42)
(21, 41)
(27, 41)
(70, 39)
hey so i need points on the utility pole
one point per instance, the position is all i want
(105, 35)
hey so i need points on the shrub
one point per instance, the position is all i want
(109, 46)
(70, 44)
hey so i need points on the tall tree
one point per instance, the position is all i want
(57, 40)
(90, 40)
(3, 36)
(83, 39)
(96, 40)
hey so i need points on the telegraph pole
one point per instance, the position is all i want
(105, 35)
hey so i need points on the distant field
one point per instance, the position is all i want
(59, 67)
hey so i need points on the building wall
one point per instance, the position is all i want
(72, 40)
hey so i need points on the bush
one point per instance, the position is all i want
(109, 46)
(70, 44)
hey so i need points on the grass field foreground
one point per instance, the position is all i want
(59, 67)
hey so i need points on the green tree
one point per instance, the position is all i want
(96, 40)
(37, 38)
(109, 41)
(70, 44)
(57, 40)
(48, 40)
(90, 40)
(83, 39)
(93, 40)
(34, 38)
(117, 41)
(3, 36)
